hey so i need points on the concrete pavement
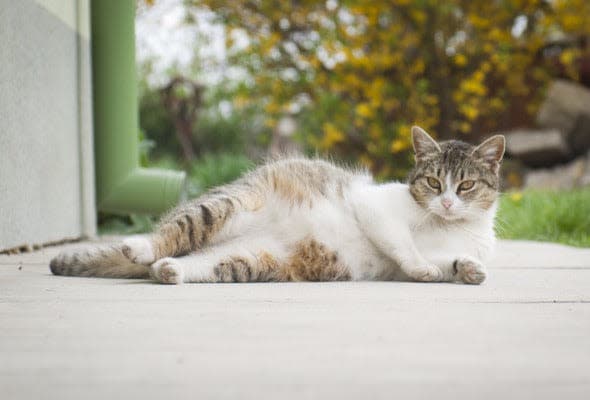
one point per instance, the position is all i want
(524, 333)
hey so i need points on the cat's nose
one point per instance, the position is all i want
(447, 203)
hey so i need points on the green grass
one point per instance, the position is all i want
(562, 217)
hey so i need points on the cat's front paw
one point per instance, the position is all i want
(167, 270)
(427, 273)
(139, 249)
(470, 270)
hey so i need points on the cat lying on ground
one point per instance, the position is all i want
(310, 220)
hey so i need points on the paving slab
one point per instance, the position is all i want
(523, 334)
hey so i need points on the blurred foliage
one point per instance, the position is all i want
(145, 148)
(365, 71)
(562, 217)
(216, 130)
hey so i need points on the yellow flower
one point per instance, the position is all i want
(572, 22)
(399, 145)
(418, 15)
(460, 60)
(567, 57)
(404, 131)
(516, 197)
(464, 127)
(272, 108)
(479, 22)
(469, 111)
(496, 103)
(331, 135)
(364, 110)
(418, 67)
(474, 86)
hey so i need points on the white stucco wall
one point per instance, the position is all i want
(46, 163)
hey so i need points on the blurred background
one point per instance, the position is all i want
(136, 102)
(224, 84)
(112, 110)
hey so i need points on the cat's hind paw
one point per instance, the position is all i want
(428, 273)
(167, 270)
(139, 249)
(470, 270)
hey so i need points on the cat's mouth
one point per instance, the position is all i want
(448, 215)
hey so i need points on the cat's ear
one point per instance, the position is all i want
(423, 143)
(491, 151)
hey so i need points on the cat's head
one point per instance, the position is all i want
(453, 179)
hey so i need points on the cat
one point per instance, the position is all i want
(297, 219)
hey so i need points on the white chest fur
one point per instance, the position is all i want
(406, 233)
(436, 242)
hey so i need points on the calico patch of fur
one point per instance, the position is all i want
(309, 261)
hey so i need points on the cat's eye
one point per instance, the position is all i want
(433, 182)
(465, 185)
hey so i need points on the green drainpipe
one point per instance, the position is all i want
(122, 185)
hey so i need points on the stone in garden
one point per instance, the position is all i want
(562, 177)
(579, 137)
(538, 148)
(567, 109)
(585, 178)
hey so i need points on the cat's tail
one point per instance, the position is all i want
(107, 261)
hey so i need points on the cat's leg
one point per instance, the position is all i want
(402, 249)
(258, 261)
(193, 225)
(464, 268)
(404, 252)
(394, 239)
(468, 269)
(418, 267)
(200, 268)
(254, 259)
